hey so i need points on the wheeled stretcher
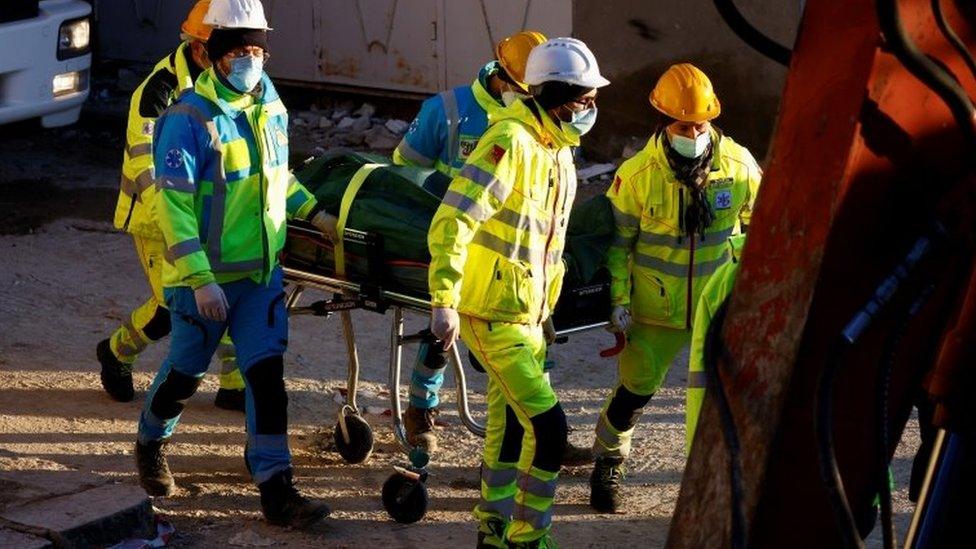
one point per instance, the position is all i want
(360, 272)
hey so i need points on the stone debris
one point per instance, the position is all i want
(398, 127)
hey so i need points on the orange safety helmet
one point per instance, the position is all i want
(194, 26)
(685, 93)
(513, 53)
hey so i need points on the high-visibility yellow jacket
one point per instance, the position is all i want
(224, 190)
(449, 125)
(497, 239)
(173, 75)
(655, 269)
(713, 295)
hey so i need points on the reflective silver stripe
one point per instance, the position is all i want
(424, 371)
(412, 155)
(465, 205)
(605, 434)
(522, 222)
(671, 241)
(138, 343)
(135, 187)
(192, 112)
(418, 392)
(503, 507)
(185, 248)
(139, 150)
(623, 219)
(235, 266)
(453, 121)
(704, 268)
(507, 249)
(491, 183)
(539, 520)
(622, 241)
(696, 380)
(497, 478)
(537, 487)
(178, 184)
(555, 256)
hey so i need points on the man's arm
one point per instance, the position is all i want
(627, 204)
(754, 177)
(426, 137)
(474, 196)
(178, 167)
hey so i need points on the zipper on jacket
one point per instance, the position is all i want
(691, 278)
(265, 247)
(128, 217)
(552, 232)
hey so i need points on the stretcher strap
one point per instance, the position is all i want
(347, 199)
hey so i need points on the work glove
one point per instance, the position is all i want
(619, 319)
(326, 223)
(446, 325)
(548, 331)
(211, 302)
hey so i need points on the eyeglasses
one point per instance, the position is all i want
(583, 103)
(249, 52)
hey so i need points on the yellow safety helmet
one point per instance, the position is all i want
(685, 93)
(513, 53)
(194, 27)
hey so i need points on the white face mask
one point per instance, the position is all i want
(509, 97)
(688, 147)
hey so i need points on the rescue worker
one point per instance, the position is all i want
(150, 322)
(675, 204)
(224, 194)
(442, 136)
(496, 270)
(713, 296)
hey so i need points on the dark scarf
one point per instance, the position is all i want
(696, 212)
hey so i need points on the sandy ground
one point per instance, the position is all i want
(70, 280)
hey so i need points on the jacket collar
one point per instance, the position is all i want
(229, 101)
(655, 147)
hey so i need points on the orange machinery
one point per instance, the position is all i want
(856, 292)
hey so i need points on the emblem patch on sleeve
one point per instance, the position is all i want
(147, 127)
(174, 158)
(497, 153)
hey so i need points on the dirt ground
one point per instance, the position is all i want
(67, 280)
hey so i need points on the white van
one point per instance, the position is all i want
(45, 60)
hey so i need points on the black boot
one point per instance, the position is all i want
(230, 399)
(116, 375)
(605, 484)
(282, 505)
(154, 475)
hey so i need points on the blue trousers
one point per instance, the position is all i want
(427, 377)
(258, 323)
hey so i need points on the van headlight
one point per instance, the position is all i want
(74, 38)
(70, 82)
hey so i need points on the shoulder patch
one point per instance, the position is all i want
(616, 183)
(497, 153)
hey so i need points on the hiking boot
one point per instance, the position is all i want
(154, 475)
(230, 399)
(282, 505)
(576, 456)
(605, 484)
(116, 375)
(419, 424)
(545, 542)
(491, 534)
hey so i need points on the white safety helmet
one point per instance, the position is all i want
(236, 14)
(563, 60)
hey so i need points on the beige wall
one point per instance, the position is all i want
(635, 41)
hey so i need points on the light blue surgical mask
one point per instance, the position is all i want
(245, 72)
(688, 147)
(581, 123)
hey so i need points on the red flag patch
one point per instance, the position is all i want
(497, 152)
(616, 184)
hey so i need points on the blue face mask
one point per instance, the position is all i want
(688, 147)
(581, 123)
(245, 72)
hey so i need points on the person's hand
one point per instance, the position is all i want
(445, 325)
(548, 331)
(211, 302)
(619, 319)
(326, 223)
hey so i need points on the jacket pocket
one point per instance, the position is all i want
(510, 289)
(649, 298)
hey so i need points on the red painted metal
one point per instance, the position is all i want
(864, 159)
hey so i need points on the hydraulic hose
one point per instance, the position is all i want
(923, 68)
(750, 34)
(952, 37)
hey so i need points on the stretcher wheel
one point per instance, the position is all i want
(355, 442)
(404, 498)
